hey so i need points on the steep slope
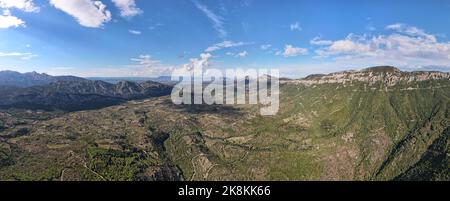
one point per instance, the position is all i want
(433, 164)
(394, 116)
(79, 95)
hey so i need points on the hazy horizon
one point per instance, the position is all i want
(151, 38)
(287, 76)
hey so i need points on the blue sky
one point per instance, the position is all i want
(152, 37)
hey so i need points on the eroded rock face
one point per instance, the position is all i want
(390, 76)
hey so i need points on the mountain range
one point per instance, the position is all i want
(378, 123)
(42, 91)
(16, 79)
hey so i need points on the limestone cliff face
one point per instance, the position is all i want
(388, 75)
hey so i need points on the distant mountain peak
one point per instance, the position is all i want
(387, 74)
(71, 95)
(16, 79)
(382, 69)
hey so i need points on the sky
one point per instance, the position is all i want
(147, 38)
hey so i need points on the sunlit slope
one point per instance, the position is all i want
(381, 131)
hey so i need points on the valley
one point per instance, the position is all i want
(375, 124)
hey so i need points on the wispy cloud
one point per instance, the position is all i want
(217, 20)
(395, 26)
(145, 65)
(265, 47)
(224, 44)
(155, 26)
(410, 30)
(370, 26)
(295, 26)
(28, 57)
(127, 8)
(135, 32)
(145, 61)
(317, 41)
(291, 51)
(21, 55)
(242, 54)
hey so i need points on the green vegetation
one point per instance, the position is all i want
(114, 165)
(351, 131)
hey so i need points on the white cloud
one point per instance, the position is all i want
(8, 54)
(348, 46)
(146, 66)
(202, 62)
(224, 44)
(216, 19)
(23, 56)
(89, 13)
(407, 46)
(146, 60)
(295, 26)
(291, 51)
(265, 47)
(7, 21)
(395, 26)
(194, 63)
(318, 41)
(242, 54)
(127, 8)
(24, 5)
(410, 30)
(135, 32)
